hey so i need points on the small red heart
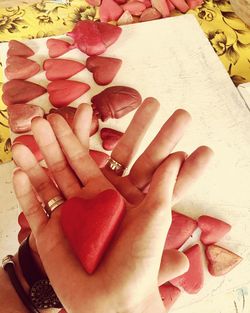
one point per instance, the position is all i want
(57, 69)
(99, 157)
(57, 47)
(169, 295)
(20, 68)
(104, 69)
(22, 221)
(182, 227)
(150, 14)
(90, 225)
(110, 138)
(21, 91)
(30, 142)
(192, 281)
(220, 260)
(20, 49)
(110, 11)
(212, 229)
(63, 92)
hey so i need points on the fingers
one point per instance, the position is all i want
(173, 264)
(25, 159)
(192, 169)
(163, 144)
(82, 124)
(54, 157)
(130, 141)
(28, 201)
(77, 155)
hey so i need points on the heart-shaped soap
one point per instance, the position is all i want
(20, 68)
(57, 69)
(212, 229)
(90, 225)
(169, 295)
(192, 281)
(57, 47)
(220, 260)
(20, 49)
(182, 227)
(21, 115)
(63, 92)
(110, 138)
(104, 69)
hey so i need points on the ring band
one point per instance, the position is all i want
(115, 166)
(53, 204)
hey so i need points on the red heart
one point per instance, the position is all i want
(21, 91)
(220, 260)
(57, 69)
(110, 11)
(99, 157)
(104, 69)
(22, 221)
(150, 14)
(57, 47)
(30, 142)
(110, 138)
(23, 234)
(169, 295)
(90, 225)
(135, 8)
(20, 49)
(21, 115)
(93, 38)
(181, 229)
(212, 229)
(63, 92)
(115, 102)
(20, 68)
(192, 281)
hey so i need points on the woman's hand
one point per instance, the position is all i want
(127, 278)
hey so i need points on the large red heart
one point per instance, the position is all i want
(90, 225)
(182, 227)
(110, 138)
(169, 295)
(220, 260)
(20, 49)
(104, 69)
(212, 229)
(57, 47)
(57, 69)
(93, 38)
(192, 281)
(20, 68)
(21, 91)
(63, 92)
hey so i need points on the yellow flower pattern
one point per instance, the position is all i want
(228, 35)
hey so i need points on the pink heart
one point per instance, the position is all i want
(90, 225)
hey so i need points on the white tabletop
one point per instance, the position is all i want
(172, 60)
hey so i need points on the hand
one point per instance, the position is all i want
(143, 232)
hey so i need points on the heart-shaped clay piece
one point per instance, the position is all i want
(161, 6)
(21, 91)
(220, 260)
(57, 47)
(169, 295)
(115, 102)
(135, 7)
(57, 69)
(30, 142)
(125, 18)
(21, 115)
(63, 92)
(110, 138)
(213, 229)
(99, 157)
(192, 281)
(22, 221)
(182, 227)
(104, 69)
(90, 225)
(19, 49)
(68, 114)
(180, 5)
(20, 68)
(110, 11)
(93, 38)
(150, 14)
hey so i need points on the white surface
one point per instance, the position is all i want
(172, 60)
(244, 90)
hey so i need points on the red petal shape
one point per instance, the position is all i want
(169, 295)
(57, 47)
(20, 68)
(110, 11)
(110, 138)
(19, 49)
(57, 69)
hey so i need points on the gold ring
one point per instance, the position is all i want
(53, 204)
(115, 166)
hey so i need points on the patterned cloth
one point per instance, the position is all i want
(229, 36)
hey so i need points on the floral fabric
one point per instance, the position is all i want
(229, 36)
